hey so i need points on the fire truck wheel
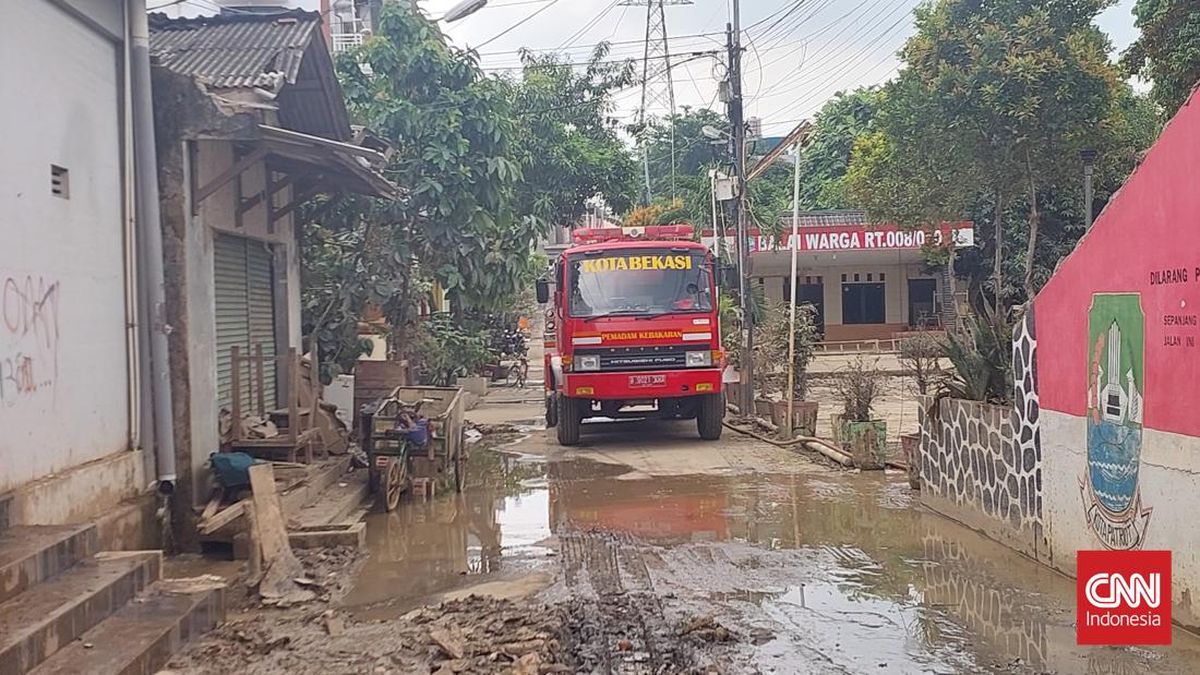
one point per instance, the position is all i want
(569, 420)
(551, 410)
(711, 417)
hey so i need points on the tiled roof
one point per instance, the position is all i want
(235, 50)
(827, 218)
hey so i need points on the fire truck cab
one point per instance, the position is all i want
(632, 330)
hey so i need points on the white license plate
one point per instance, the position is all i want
(647, 380)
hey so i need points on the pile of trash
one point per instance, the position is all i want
(486, 635)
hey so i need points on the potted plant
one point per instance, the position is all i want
(862, 435)
(771, 364)
(920, 357)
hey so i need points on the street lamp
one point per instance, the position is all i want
(462, 10)
(713, 133)
(1088, 156)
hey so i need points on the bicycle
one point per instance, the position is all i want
(518, 372)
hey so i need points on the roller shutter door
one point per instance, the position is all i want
(245, 315)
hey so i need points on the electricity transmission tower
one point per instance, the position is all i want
(658, 88)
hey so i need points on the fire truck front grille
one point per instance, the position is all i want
(639, 358)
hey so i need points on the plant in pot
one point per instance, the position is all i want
(862, 435)
(920, 358)
(771, 363)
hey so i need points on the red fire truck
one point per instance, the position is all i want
(632, 331)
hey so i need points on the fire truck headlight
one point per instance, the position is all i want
(585, 364)
(699, 359)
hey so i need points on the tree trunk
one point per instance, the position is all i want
(400, 328)
(997, 273)
(1034, 222)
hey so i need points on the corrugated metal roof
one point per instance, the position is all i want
(235, 50)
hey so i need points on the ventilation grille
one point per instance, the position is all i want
(60, 182)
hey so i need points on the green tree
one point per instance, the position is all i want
(570, 149)
(996, 96)
(1168, 50)
(695, 155)
(826, 157)
(453, 133)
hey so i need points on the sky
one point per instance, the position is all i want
(799, 53)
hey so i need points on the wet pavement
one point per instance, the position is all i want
(812, 569)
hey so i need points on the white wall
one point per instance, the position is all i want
(216, 213)
(63, 383)
(1167, 483)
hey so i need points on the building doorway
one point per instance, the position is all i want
(922, 304)
(809, 290)
(863, 303)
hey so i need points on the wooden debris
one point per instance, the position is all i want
(447, 643)
(335, 625)
(269, 535)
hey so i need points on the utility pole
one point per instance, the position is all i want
(658, 87)
(737, 120)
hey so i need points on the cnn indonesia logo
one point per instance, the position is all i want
(1123, 598)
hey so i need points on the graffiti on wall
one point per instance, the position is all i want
(29, 336)
(1116, 384)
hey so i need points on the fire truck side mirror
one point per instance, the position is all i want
(543, 291)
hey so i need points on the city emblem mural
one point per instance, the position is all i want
(1116, 382)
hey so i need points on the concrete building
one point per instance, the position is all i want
(69, 450)
(251, 124)
(867, 282)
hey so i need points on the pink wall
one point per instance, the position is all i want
(1147, 241)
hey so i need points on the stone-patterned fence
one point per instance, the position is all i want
(974, 470)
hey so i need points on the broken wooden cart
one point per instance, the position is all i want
(396, 457)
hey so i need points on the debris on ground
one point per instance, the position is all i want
(707, 629)
(474, 635)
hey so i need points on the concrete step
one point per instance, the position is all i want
(32, 554)
(141, 637)
(37, 623)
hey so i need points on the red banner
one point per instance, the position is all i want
(835, 238)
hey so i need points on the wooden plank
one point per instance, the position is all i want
(267, 511)
(293, 395)
(279, 563)
(222, 518)
(262, 380)
(236, 375)
(297, 201)
(227, 175)
(214, 503)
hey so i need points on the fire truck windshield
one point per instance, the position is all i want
(640, 282)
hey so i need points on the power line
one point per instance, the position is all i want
(844, 47)
(587, 26)
(518, 24)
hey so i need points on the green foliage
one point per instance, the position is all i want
(982, 361)
(1167, 52)
(696, 155)
(995, 101)
(826, 157)
(446, 349)
(570, 149)
(453, 131)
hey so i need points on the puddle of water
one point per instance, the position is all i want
(845, 570)
(425, 549)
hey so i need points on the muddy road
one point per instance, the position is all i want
(645, 550)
